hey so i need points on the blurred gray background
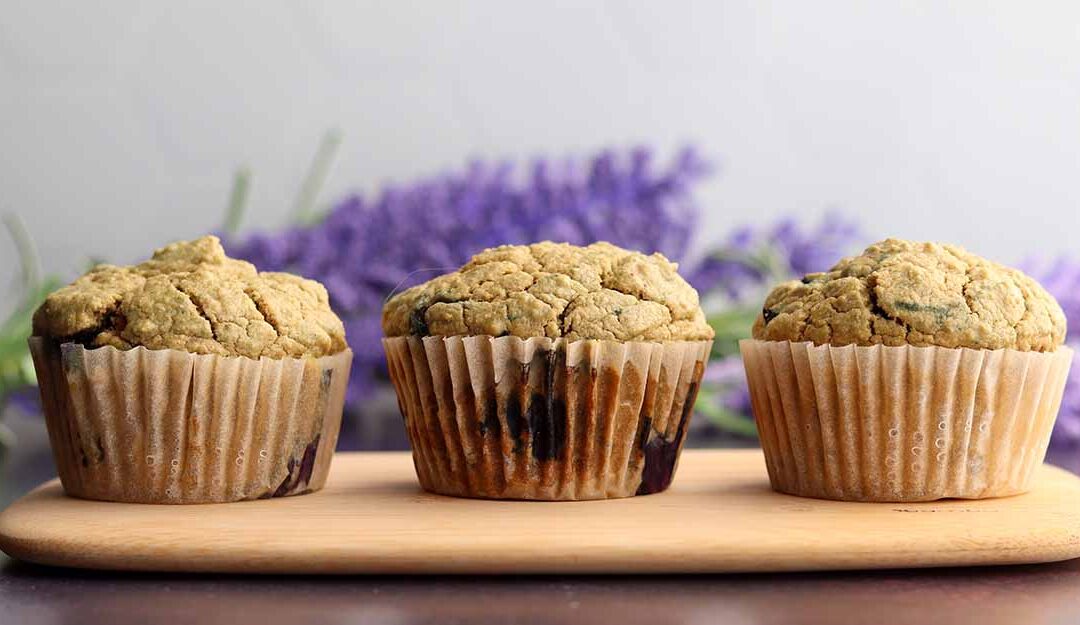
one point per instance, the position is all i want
(122, 122)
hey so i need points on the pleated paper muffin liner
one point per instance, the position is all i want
(512, 418)
(167, 426)
(904, 423)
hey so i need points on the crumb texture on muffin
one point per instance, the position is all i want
(906, 293)
(190, 296)
(554, 290)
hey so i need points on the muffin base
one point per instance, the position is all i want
(902, 424)
(165, 426)
(512, 418)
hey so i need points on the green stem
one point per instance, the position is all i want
(764, 259)
(7, 437)
(726, 419)
(28, 258)
(238, 198)
(775, 267)
(304, 208)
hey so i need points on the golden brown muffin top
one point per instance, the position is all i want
(555, 290)
(190, 296)
(907, 293)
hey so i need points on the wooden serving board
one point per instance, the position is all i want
(719, 516)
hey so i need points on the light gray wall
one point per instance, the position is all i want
(122, 121)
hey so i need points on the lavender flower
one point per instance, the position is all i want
(26, 399)
(368, 248)
(752, 259)
(1066, 436)
(1062, 278)
(729, 373)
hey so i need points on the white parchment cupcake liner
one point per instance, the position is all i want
(902, 423)
(167, 426)
(512, 418)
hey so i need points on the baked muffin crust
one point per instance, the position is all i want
(907, 293)
(555, 290)
(190, 296)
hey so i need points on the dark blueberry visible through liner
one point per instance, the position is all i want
(299, 475)
(643, 432)
(514, 420)
(491, 422)
(544, 416)
(661, 454)
(84, 460)
(546, 412)
(547, 420)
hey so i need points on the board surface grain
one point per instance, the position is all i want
(719, 516)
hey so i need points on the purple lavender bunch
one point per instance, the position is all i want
(1061, 277)
(1066, 435)
(754, 258)
(366, 249)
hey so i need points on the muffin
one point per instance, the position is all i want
(548, 371)
(190, 378)
(912, 372)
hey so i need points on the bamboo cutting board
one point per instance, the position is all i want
(719, 516)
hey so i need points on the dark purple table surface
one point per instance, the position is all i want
(1047, 593)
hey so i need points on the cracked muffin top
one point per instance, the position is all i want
(906, 293)
(555, 290)
(190, 296)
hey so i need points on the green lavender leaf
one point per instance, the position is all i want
(304, 212)
(731, 326)
(238, 198)
(16, 368)
(723, 418)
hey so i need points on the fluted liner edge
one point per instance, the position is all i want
(902, 423)
(512, 418)
(167, 426)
